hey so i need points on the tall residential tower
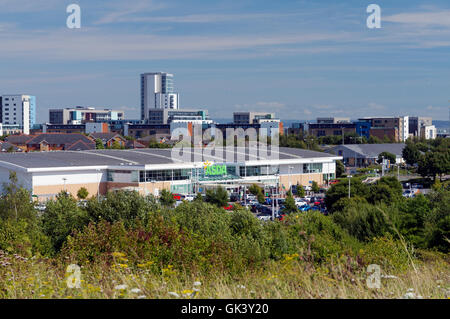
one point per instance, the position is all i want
(157, 92)
(18, 111)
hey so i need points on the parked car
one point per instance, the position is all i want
(229, 207)
(307, 188)
(178, 197)
(264, 217)
(234, 197)
(305, 208)
(189, 197)
(333, 181)
(409, 193)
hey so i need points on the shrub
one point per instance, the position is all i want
(365, 221)
(61, 217)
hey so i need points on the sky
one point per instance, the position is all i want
(299, 59)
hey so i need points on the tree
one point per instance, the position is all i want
(289, 204)
(315, 187)
(16, 201)
(386, 155)
(340, 168)
(434, 163)
(198, 197)
(61, 217)
(374, 140)
(217, 196)
(116, 145)
(82, 193)
(340, 190)
(99, 144)
(258, 192)
(411, 153)
(166, 198)
(300, 190)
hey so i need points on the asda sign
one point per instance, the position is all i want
(214, 170)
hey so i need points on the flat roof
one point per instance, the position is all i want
(90, 159)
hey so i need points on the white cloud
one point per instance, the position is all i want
(435, 18)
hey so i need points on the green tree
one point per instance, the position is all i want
(166, 198)
(315, 187)
(434, 163)
(386, 155)
(340, 190)
(340, 169)
(300, 190)
(258, 192)
(411, 153)
(99, 144)
(82, 193)
(198, 197)
(61, 217)
(289, 204)
(121, 205)
(217, 196)
(15, 202)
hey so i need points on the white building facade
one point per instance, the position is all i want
(157, 91)
(18, 111)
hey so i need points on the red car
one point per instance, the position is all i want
(334, 181)
(229, 207)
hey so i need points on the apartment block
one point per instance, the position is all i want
(82, 115)
(18, 112)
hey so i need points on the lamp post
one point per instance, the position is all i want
(98, 185)
(290, 173)
(65, 179)
(349, 178)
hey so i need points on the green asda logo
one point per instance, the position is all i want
(215, 170)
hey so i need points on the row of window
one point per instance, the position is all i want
(186, 174)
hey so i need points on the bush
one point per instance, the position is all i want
(217, 196)
(388, 253)
(365, 221)
(61, 217)
(126, 206)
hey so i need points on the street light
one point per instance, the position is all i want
(290, 170)
(349, 178)
(65, 179)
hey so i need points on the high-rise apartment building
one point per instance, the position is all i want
(157, 92)
(18, 111)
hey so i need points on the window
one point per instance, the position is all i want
(312, 168)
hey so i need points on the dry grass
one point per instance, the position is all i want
(290, 278)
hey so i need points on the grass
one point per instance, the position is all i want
(290, 278)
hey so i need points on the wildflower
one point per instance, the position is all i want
(142, 297)
(117, 254)
(120, 287)
(241, 286)
(197, 283)
(172, 293)
(123, 266)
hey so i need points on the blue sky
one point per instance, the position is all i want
(300, 59)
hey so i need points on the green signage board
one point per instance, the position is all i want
(214, 170)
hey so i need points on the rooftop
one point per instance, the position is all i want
(143, 157)
(372, 150)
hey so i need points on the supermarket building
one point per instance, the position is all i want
(149, 171)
